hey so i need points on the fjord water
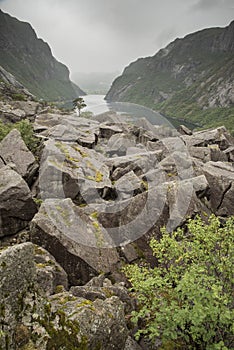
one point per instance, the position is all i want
(97, 105)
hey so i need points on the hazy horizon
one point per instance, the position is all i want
(106, 36)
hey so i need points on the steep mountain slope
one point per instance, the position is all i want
(192, 78)
(31, 61)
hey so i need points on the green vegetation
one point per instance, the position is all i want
(184, 80)
(186, 301)
(65, 335)
(79, 104)
(19, 97)
(87, 114)
(26, 130)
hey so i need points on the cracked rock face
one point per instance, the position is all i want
(220, 177)
(77, 241)
(17, 207)
(31, 320)
(14, 150)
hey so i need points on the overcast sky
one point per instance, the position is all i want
(106, 35)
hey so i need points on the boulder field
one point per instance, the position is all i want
(73, 216)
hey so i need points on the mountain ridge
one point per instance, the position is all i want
(31, 61)
(184, 79)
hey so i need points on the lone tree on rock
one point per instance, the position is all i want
(79, 104)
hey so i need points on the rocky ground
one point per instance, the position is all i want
(74, 215)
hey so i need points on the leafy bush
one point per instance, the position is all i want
(26, 130)
(186, 300)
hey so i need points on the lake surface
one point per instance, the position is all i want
(97, 105)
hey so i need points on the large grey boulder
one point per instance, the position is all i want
(220, 177)
(69, 133)
(91, 325)
(49, 274)
(129, 185)
(77, 241)
(106, 131)
(72, 171)
(29, 107)
(119, 143)
(162, 204)
(218, 136)
(177, 164)
(140, 163)
(30, 320)
(14, 150)
(17, 277)
(45, 121)
(57, 125)
(230, 153)
(206, 154)
(15, 111)
(11, 114)
(17, 207)
(167, 145)
(184, 200)
(104, 289)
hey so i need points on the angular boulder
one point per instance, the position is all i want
(91, 325)
(218, 136)
(220, 177)
(14, 150)
(30, 320)
(119, 143)
(206, 154)
(106, 131)
(49, 274)
(77, 241)
(17, 277)
(72, 171)
(140, 163)
(17, 207)
(128, 185)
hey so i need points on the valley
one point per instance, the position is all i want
(117, 210)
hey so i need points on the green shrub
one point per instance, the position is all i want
(26, 130)
(186, 300)
(19, 97)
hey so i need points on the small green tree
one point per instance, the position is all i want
(187, 300)
(79, 104)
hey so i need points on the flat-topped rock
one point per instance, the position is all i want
(106, 131)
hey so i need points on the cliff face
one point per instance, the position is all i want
(187, 77)
(31, 61)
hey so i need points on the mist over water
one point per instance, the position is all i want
(97, 105)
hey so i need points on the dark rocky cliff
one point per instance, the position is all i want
(31, 61)
(186, 78)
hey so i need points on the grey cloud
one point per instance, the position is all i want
(213, 4)
(106, 35)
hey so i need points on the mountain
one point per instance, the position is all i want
(31, 62)
(190, 79)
